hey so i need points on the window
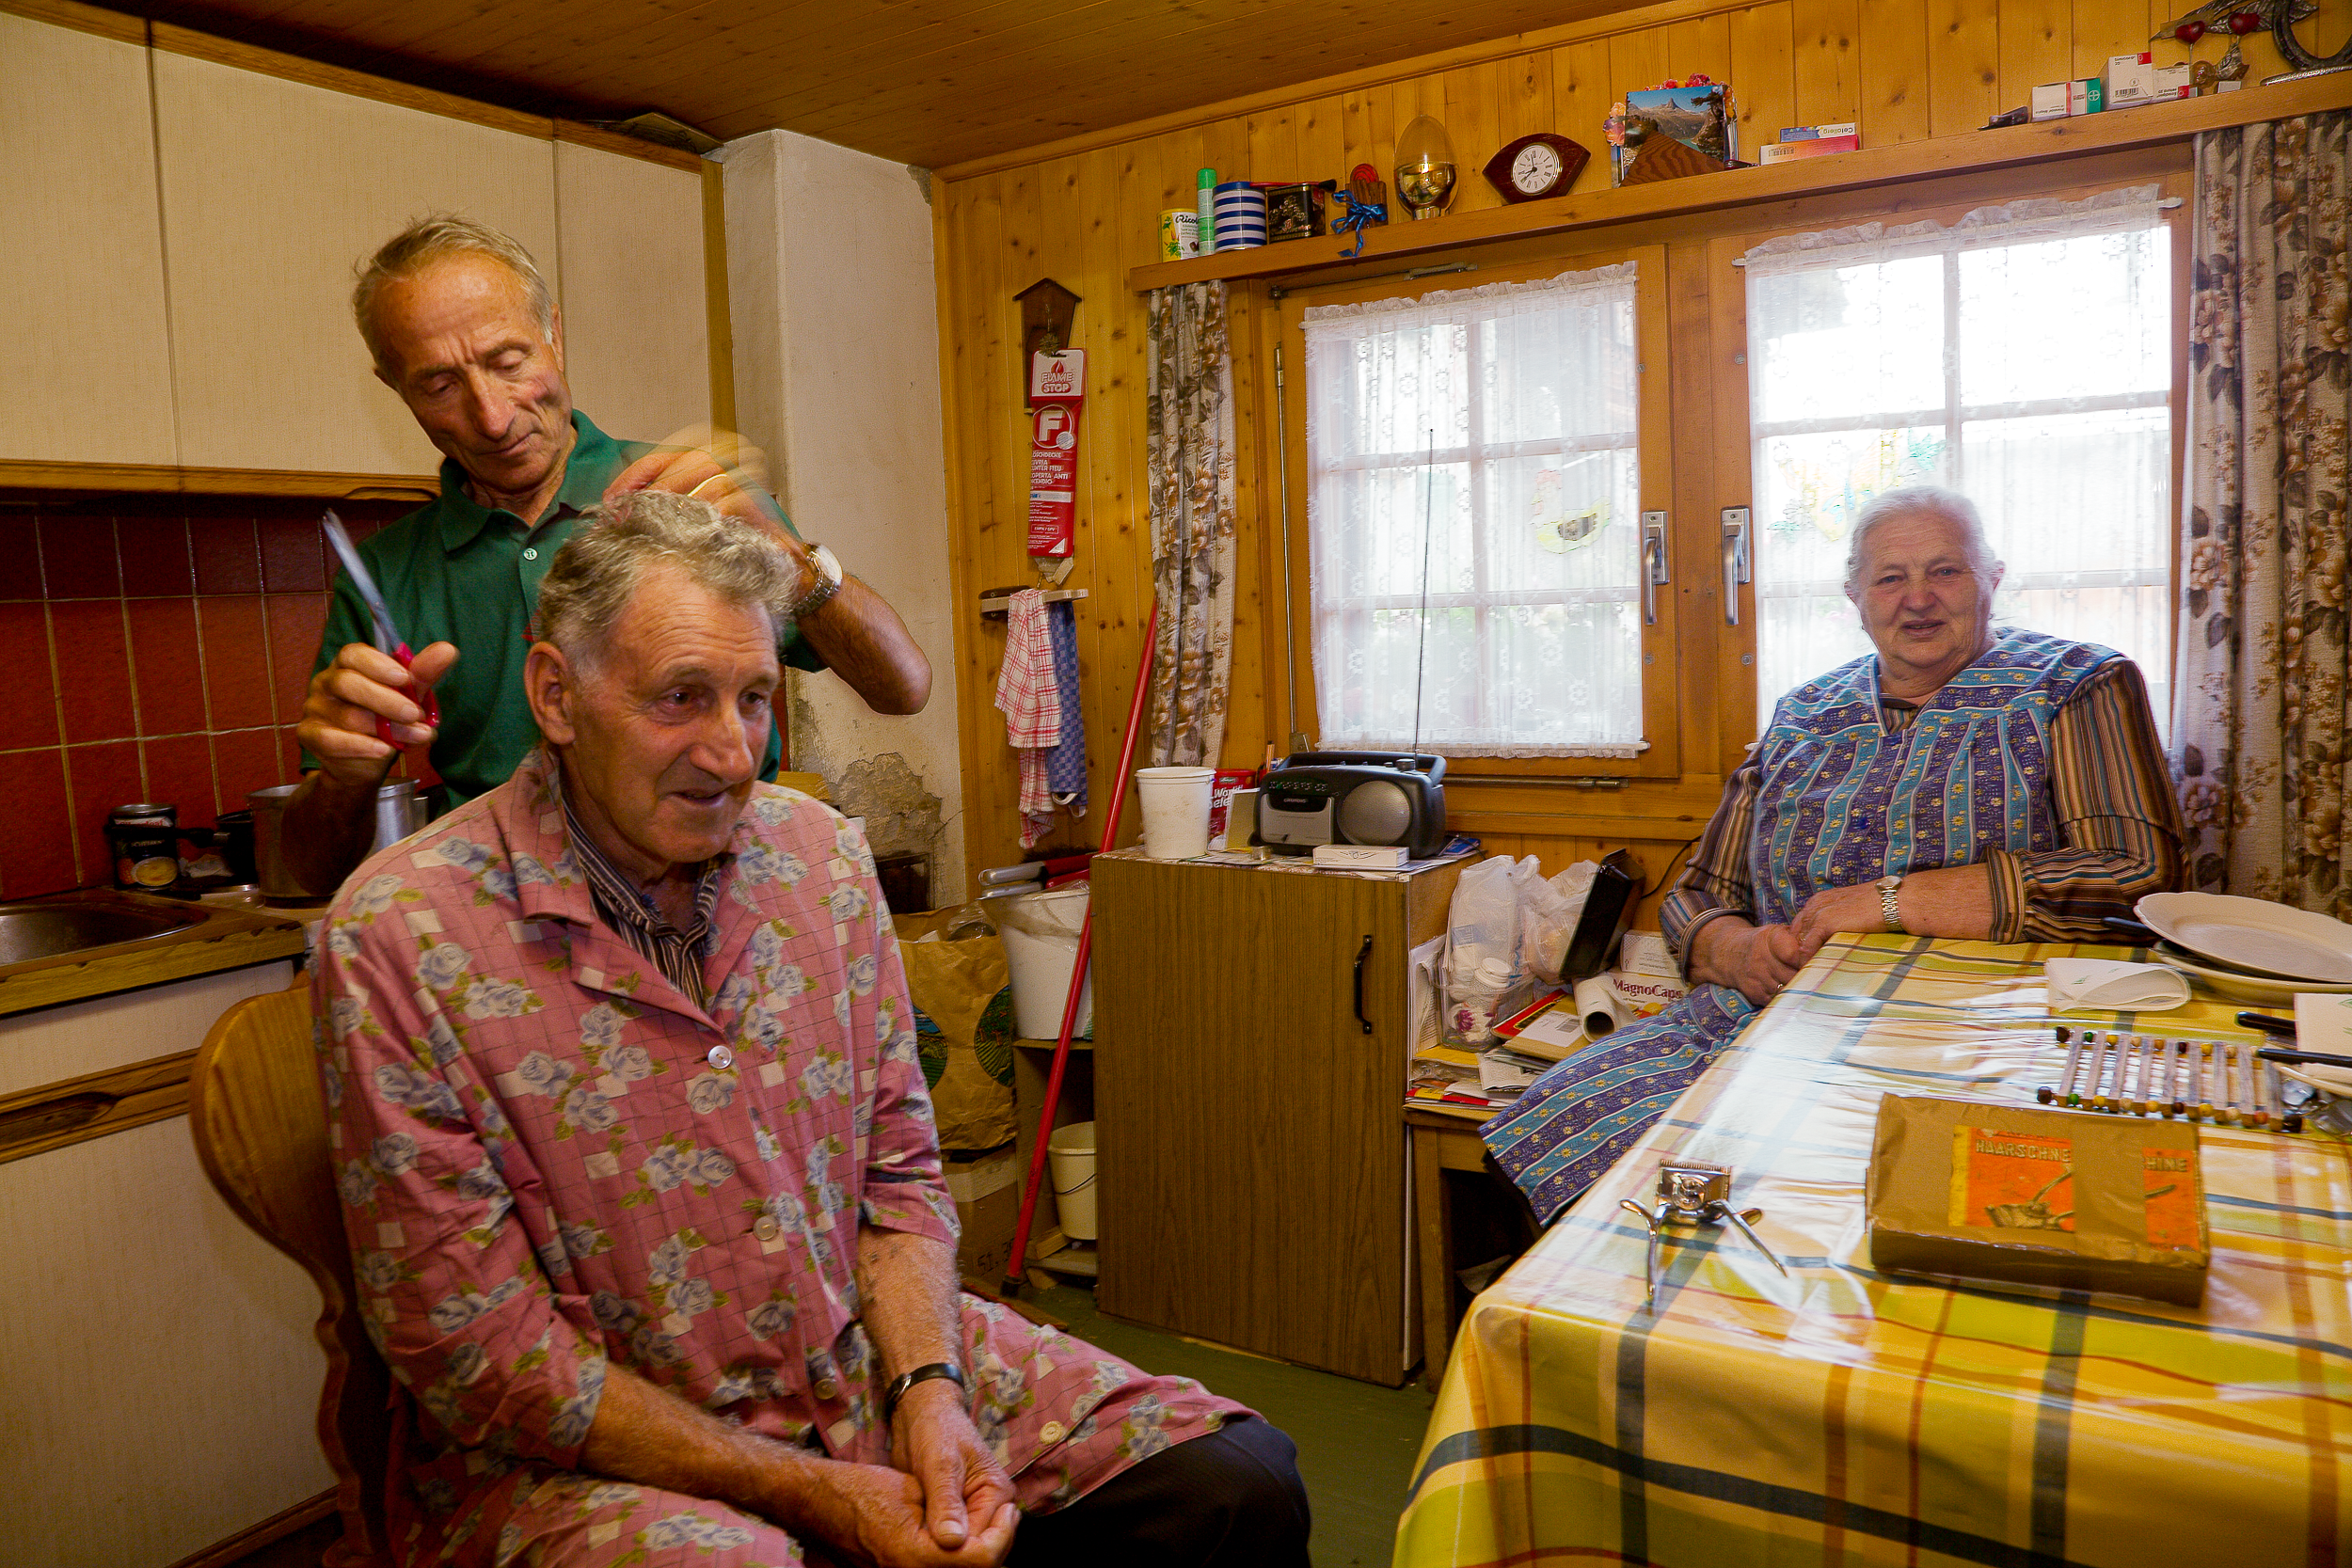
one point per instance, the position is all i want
(1477, 450)
(2022, 357)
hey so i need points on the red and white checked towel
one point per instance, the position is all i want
(1032, 708)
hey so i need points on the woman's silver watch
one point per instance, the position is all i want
(827, 571)
(1890, 906)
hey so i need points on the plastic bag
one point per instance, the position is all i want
(1547, 914)
(1482, 949)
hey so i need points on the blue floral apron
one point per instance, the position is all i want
(1842, 800)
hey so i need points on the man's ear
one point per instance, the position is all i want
(555, 335)
(552, 686)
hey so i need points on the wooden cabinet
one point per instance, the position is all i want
(272, 189)
(1249, 1129)
(84, 360)
(636, 335)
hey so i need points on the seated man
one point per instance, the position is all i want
(642, 1183)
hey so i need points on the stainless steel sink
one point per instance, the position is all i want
(52, 928)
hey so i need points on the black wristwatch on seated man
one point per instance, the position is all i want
(906, 1380)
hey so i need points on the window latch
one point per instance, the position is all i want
(1738, 561)
(1653, 563)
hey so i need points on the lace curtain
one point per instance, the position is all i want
(2261, 739)
(2021, 356)
(1477, 448)
(1188, 463)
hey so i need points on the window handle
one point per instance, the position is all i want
(1653, 563)
(1738, 561)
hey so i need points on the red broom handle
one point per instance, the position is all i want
(1016, 1267)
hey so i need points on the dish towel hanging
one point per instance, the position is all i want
(1066, 764)
(1031, 702)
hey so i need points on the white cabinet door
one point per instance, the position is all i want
(84, 360)
(272, 191)
(636, 337)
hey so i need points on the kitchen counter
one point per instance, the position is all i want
(223, 938)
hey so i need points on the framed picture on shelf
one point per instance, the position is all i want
(1698, 116)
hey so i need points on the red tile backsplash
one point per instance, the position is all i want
(172, 679)
(37, 830)
(28, 694)
(93, 670)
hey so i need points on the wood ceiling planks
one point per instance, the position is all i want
(928, 82)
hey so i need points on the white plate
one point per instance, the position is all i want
(2253, 933)
(2241, 987)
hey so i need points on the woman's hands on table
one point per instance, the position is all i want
(1754, 960)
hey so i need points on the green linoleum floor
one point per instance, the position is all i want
(1357, 1442)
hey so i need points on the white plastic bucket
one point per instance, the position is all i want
(1040, 932)
(1070, 1153)
(1175, 805)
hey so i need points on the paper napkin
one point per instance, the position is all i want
(2110, 986)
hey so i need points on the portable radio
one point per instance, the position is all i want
(1314, 797)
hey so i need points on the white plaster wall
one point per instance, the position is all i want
(837, 375)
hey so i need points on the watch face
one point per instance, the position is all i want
(1536, 168)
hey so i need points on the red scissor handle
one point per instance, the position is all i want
(424, 698)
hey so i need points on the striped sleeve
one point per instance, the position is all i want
(2118, 819)
(1716, 880)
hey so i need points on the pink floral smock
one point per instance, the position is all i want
(551, 1159)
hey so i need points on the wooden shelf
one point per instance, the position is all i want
(2115, 131)
(142, 477)
(1052, 1045)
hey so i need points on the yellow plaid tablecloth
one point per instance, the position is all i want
(1846, 1416)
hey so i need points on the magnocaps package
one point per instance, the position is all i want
(2070, 1200)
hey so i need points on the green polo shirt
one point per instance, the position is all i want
(455, 571)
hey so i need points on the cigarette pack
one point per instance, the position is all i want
(2067, 1199)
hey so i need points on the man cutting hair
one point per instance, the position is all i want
(641, 1181)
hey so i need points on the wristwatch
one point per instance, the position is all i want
(1890, 908)
(827, 571)
(904, 1381)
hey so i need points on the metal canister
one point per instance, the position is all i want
(1180, 235)
(144, 839)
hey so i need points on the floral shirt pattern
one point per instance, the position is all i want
(552, 1160)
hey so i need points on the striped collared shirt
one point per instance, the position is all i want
(678, 954)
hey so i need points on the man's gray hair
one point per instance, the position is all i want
(437, 238)
(597, 571)
(1915, 501)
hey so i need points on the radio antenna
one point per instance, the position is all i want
(1428, 514)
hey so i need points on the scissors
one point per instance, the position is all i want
(387, 635)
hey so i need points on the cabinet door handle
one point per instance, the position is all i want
(1361, 954)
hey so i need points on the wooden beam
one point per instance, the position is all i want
(2123, 130)
(82, 19)
(159, 478)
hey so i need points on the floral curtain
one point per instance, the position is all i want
(1188, 455)
(2261, 705)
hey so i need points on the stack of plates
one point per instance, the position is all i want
(1239, 215)
(2249, 949)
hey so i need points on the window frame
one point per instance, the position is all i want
(1661, 699)
(1735, 436)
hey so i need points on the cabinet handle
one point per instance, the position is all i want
(1361, 954)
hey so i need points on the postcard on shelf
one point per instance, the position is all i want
(1698, 117)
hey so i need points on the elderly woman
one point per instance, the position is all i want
(1959, 783)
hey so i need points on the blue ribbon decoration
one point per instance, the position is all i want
(1359, 216)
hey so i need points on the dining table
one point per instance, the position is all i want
(1843, 1413)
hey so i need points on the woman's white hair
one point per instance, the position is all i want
(1914, 500)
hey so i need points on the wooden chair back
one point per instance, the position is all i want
(258, 1118)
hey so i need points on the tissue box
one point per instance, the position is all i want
(2066, 1200)
(2057, 99)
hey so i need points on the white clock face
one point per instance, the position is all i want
(1534, 169)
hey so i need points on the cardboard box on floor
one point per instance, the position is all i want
(987, 1190)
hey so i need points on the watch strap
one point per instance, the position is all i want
(906, 1380)
(827, 584)
(1890, 904)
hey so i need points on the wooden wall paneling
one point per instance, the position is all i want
(1581, 92)
(2036, 46)
(1894, 66)
(1764, 80)
(271, 189)
(1473, 117)
(2105, 27)
(1964, 89)
(86, 364)
(636, 333)
(1829, 85)
(1702, 46)
(1527, 104)
(1357, 143)
(1322, 144)
(1256, 608)
(717, 307)
(985, 357)
(1637, 62)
